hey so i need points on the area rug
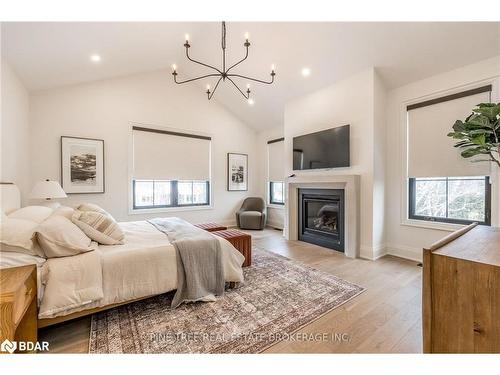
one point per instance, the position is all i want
(279, 296)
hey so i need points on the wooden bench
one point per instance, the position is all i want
(211, 227)
(240, 240)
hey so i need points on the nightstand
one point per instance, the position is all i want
(18, 307)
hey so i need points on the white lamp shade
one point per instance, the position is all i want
(47, 190)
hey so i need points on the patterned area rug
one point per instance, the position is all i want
(279, 296)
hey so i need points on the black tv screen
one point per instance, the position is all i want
(324, 149)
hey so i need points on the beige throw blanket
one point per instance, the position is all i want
(200, 272)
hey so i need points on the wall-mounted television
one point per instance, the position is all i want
(324, 149)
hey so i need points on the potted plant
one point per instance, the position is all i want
(479, 134)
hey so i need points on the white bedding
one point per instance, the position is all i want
(145, 265)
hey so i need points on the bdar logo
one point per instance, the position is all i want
(8, 346)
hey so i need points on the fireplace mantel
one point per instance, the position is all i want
(350, 184)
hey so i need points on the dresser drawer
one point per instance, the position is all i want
(25, 295)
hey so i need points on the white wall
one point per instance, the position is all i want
(406, 240)
(14, 135)
(275, 213)
(379, 165)
(105, 110)
(350, 101)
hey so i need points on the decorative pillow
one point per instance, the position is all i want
(18, 235)
(92, 207)
(59, 237)
(32, 213)
(65, 211)
(99, 227)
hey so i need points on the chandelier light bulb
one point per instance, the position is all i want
(208, 87)
(248, 85)
(174, 67)
(247, 35)
(273, 67)
(251, 101)
(187, 37)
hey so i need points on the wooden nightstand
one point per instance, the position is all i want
(18, 307)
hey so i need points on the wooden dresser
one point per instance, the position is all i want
(461, 292)
(18, 308)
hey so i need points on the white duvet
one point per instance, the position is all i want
(145, 265)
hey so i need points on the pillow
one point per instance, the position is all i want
(32, 213)
(59, 237)
(65, 211)
(92, 207)
(18, 235)
(99, 227)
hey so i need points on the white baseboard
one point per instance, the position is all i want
(406, 252)
(227, 223)
(274, 225)
(372, 252)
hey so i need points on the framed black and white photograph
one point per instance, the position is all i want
(82, 165)
(237, 172)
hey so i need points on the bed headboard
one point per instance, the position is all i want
(10, 197)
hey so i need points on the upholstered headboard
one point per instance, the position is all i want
(10, 197)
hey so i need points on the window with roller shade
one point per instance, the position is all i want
(276, 171)
(170, 169)
(443, 186)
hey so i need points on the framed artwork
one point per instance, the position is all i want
(237, 172)
(82, 165)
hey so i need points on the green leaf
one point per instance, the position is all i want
(479, 140)
(486, 111)
(458, 126)
(479, 120)
(485, 105)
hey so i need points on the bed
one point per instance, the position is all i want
(112, 275)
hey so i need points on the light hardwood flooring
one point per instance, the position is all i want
(386, 318)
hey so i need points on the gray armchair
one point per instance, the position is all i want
(252, 214)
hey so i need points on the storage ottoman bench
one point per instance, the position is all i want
(240, 240)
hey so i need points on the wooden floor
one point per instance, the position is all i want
(386, 318)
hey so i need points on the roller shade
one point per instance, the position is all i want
(163, 155)
(276, 160)
(430, 150)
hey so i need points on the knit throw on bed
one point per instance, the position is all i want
(200, 273)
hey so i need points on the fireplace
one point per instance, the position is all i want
(321, 217)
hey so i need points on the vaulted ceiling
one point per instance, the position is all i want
(47, 55)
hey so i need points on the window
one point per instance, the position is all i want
(460, 200)
(161, 194)
(276, 170)
(170, 169)
(277, 192)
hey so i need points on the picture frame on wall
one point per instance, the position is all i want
(82, 165)
(237, 172)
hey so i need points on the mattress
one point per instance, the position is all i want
(145, 265)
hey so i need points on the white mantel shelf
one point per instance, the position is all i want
(350, 184)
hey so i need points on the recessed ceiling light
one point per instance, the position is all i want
(251, 101)
(95, 58)
(306, 72)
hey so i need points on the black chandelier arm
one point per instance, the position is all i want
(210, 94)
(193, 79)
(199, 62)
(239, 62)
(254, 79)
(247, 96)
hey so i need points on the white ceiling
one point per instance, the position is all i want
(47, 55)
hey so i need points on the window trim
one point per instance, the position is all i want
(432, 219)
(271, 201)
(174, 197)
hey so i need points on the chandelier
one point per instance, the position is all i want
(223, 74)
